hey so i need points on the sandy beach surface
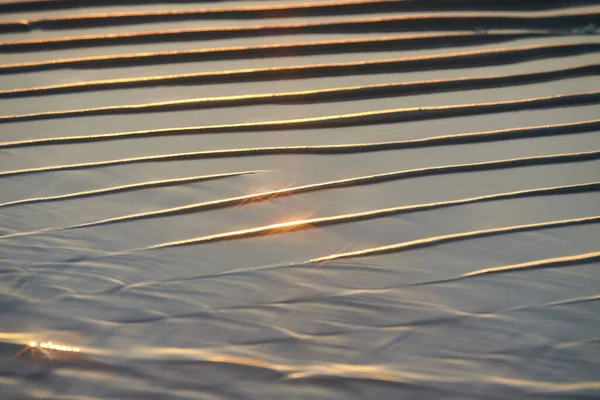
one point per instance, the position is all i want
(351, 199)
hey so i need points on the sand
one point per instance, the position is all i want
(362, 200)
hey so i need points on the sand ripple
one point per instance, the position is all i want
(350, 199)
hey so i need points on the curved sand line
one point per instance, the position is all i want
(540, 264)
(312, 223)
(345, 46)
(407, 23)
(126, 188)
(37, 5)
(351, 92)
(546, 263)
(444, 140)
(577, 260)
(349, 182)
(332, 121)
(557, 262)
(437, 240)
(324, 95)
(454, 60)
(8, 6)
(576, 300)
(249, 12)
(363, 180)
(258, 12)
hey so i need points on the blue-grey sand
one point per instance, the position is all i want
(287, 199)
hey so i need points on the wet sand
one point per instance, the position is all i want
(272, 200)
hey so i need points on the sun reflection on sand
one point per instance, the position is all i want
(301, 221)
(48, 349)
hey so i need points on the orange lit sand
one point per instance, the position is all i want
(350, 199)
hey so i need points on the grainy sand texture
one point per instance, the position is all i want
(278, 199)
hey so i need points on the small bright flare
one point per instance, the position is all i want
(52, 346)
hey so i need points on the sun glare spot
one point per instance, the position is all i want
(47, 349)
